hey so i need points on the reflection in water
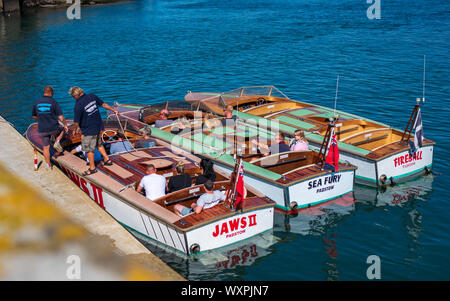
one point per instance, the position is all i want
(318, 219)
(331, 262)
(408, 196)
(217, 264)
(399, 195)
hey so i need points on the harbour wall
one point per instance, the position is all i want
(8, 6)
(48, 226)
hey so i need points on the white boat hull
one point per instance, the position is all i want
(370, 171)
(210, 236)
(307, 193)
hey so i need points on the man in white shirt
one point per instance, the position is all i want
(154, 184)
(207, 200)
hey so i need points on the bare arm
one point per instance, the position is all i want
(64, 122)
(76, 127)
(198, 209)
(108, 107)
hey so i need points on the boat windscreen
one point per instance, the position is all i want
(124, 124)
(169, 105)
(222, 99)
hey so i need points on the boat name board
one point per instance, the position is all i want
(97, 192)
(317, 183)
(408, 159)
(235, 226)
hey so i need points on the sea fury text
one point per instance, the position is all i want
(326, 181)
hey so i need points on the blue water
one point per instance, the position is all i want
(152, 51)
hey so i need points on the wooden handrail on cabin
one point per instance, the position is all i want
(364, 133)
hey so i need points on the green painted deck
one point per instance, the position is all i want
(301, 112)
(211, 141)
(197, 148)
(290, 130)
(296, 122)
(341, 145)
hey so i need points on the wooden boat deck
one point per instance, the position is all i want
(129, 168)
(364, 138)
(395, 147)
(308, 172)
(356, 135)
(283, 168)
(220, 211)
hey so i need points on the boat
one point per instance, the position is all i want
(240, 99)
(113, 188)
(381, 153)
(294, 179)
(150, 113)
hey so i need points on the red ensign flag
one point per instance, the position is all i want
(333, 151)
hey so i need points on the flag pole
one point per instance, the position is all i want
(423, 85)
(335, 97)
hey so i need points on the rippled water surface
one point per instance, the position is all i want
(151, 51)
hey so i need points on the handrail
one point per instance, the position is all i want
(364, 132)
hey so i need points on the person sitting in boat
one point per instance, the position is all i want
(181, 180)
(79, 149)
(164, 121)
(154, 184)
(211, 122)
(146, 141)
(300, 143)
(181, 126)
(278, 145)
(207, 200)
(208, 173)
(121, 145)
(229, 119)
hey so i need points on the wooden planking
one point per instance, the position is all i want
(306, 173)
(218, 211)
(394, 148)
(119, 178)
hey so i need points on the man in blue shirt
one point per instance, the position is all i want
(121, 145)
(87, 118)
(146, 141)
(278, 145)
(47, 113)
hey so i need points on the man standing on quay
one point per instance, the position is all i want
(88, 119)
(48, 114)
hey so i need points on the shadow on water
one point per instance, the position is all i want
(229, 263)
(321, 221)
(398, 195)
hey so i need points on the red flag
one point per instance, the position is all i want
(333, 151)
(240, 186)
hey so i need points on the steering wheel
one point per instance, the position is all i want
(261, 101)
(108, 134)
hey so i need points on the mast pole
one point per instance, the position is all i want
(335, 97)
(423, 85)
